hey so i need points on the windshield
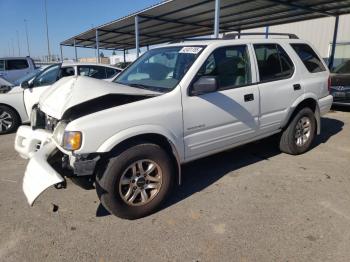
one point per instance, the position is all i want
(27, 77)
(160, 69)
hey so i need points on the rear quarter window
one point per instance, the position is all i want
(16, 64)
(110, 72)
(309, 57)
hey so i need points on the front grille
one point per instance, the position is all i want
(39, 120)
(50, 123)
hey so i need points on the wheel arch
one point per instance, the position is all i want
(159, 139)
(305, 101)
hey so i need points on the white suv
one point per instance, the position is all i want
(175, 104)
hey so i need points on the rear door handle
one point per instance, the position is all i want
(248, 97)
(297, 87)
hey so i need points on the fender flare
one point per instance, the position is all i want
(175, 143)
(295, 105)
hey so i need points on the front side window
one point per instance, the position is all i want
(49, 76)
(229, 65)
(273, 62)
(97, 72)
(2, 65)
(310, 59)
(160, 69)
(16, 64)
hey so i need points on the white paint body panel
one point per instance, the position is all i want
(196, 126)
(39, 175)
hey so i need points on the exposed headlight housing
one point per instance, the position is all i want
(69, 140)
(58, 133)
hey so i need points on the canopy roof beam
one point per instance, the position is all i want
(302, 7)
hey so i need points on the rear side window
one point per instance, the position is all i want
(273, 62)
(16, 64)
(97, 72)
(310, 59)
(110, 72)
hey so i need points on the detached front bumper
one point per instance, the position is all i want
(39, 175)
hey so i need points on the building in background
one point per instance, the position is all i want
(103, 60)
(319, 32)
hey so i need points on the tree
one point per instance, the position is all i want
(113, 53)
(102, 54)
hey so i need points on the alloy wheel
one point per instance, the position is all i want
(140, 182)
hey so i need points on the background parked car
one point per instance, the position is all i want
(340, 84)
(17, 102)
(14, 68)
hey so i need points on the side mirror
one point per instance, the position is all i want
(204, 85)
(25, 85)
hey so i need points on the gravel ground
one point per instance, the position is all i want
(248, 204)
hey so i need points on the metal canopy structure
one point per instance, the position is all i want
(178, 19)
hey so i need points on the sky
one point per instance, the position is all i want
(66, 18)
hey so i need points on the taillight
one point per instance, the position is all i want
(329, 84)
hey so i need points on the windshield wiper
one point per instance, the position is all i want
(152, 88)
(140, 86)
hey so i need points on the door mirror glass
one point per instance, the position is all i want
(204, 85)
(25, 85)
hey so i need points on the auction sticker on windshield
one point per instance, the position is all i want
(190, 50)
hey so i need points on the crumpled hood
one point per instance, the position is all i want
(69, 92)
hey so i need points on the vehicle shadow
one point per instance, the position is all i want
(202, 173)
(341, 108)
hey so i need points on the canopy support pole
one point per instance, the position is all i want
(61, 51)
(137, 43)
(334, 43)
(217, 19)
(97, 48)
(267, 28)
(124, 55)
(75, 51)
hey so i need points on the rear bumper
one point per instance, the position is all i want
(325, 104)
(39, 175)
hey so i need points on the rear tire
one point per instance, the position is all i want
(136, 182)
(9, 120)
(298, 136)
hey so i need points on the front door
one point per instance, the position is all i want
(41, 83)
(230, 115)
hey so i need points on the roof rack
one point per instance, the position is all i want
(237, 35)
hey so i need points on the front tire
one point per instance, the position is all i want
(9, 120)
(298, 136)
(136, 181)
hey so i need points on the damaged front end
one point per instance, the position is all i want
(49, 164)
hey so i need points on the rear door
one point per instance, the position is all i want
(215, 121)
(279, 85)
